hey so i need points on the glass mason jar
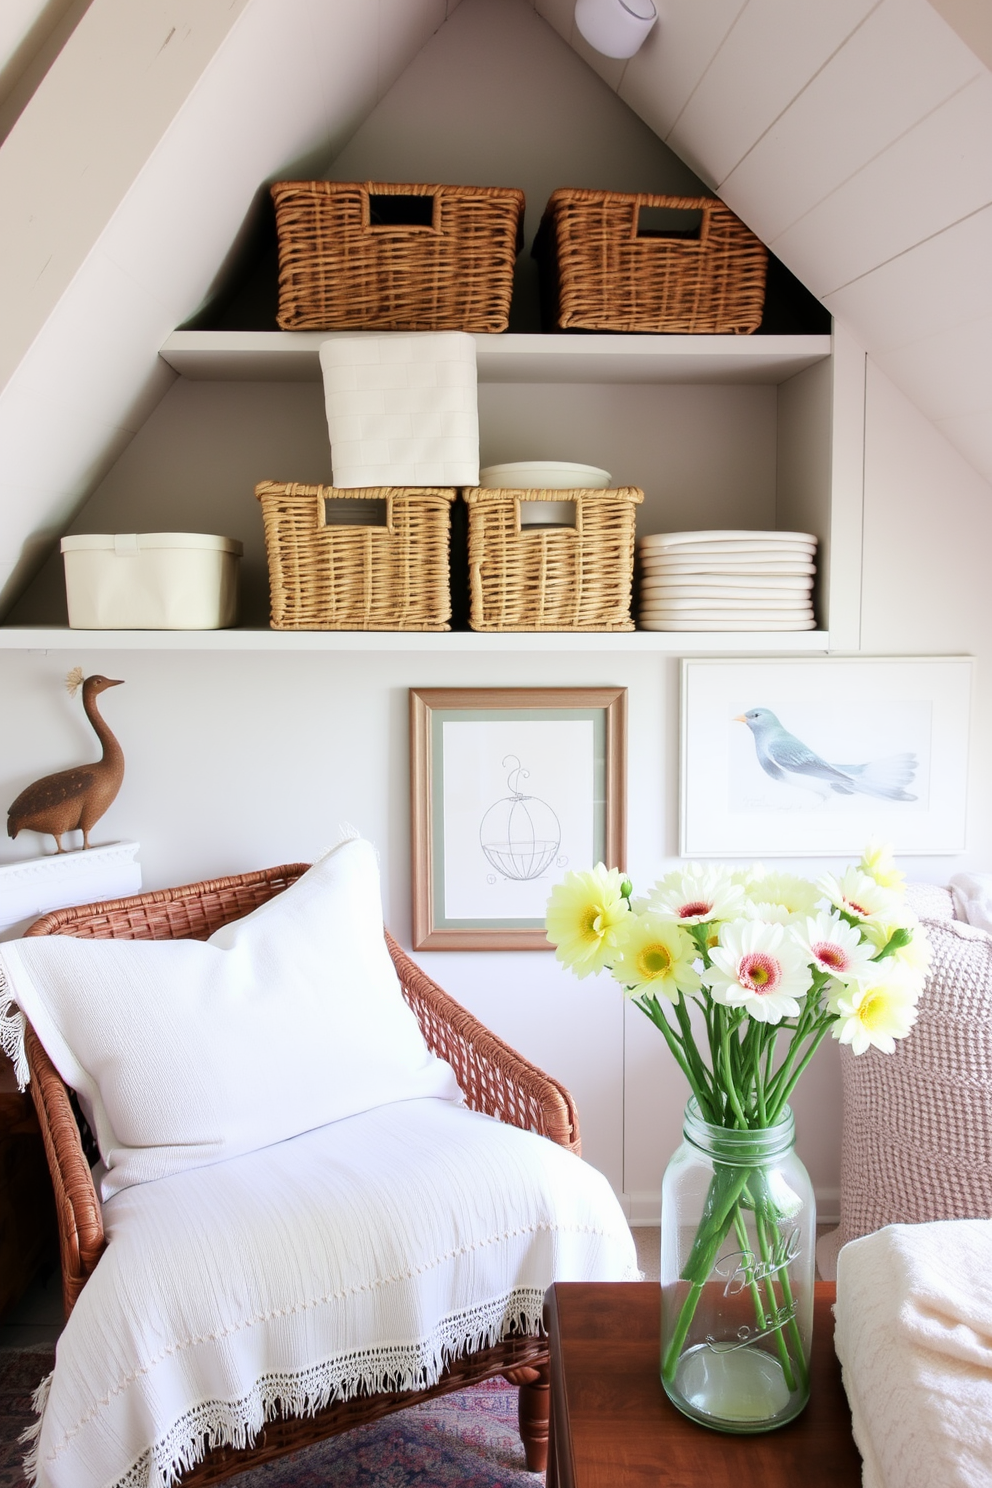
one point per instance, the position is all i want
(738, 1230)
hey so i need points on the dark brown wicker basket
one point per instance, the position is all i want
(600, 275)
(324, 577)
(341, 269)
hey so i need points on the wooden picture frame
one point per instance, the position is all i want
(486, 847)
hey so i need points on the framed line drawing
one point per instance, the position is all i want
(510, 787)
(816, 756)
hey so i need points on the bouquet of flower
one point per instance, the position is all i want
(744, 972)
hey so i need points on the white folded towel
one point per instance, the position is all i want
(402, 410)
(914, 1336)
(973, 898)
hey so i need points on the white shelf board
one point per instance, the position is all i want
(292, 356)
(459, 642)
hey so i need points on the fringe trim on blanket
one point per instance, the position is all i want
(29, 1436)
(12, 1033)
(412, 1366)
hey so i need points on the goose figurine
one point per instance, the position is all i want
(74, 800)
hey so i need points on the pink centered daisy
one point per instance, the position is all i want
(834, 947)
(695, 895)
(760, 968)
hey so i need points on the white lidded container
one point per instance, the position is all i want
(151, 580)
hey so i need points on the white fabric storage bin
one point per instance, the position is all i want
(402, 410)
(151, 581)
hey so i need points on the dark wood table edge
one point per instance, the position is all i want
(561, 1472)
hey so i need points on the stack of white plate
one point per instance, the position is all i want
(727, 581)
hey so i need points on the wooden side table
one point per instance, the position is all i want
(612, 1426)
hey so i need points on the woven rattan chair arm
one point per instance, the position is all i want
(193, 910)
(79, 1216)
(495, 1078)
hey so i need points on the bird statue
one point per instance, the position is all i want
(73, 800)
(786, 758)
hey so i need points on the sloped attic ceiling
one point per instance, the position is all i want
(853, 137)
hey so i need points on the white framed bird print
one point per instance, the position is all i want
(788, 757)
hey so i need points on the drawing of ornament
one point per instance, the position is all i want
(520, 835)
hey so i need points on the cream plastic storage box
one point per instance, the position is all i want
(151, 581)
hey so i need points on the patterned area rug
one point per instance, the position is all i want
(468, 1439)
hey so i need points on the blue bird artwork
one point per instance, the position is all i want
(788, 760)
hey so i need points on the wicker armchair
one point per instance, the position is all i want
(495, 1079)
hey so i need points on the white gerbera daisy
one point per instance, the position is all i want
(859, 896)
(835, 947)
(877, 1010)
(696, 894)
(784, 891)
(760, 968)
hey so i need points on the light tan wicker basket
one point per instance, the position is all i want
(328, 577)
(340, 269)
(600, 275)
(557, 578)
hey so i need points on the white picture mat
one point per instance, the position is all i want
(849, 712)
(560, 756)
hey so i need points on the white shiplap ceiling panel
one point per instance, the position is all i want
(882, 211)
(942, 282)
(659, 80)
(869, 94)
(770, 54)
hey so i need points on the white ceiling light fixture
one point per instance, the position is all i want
(616, 28)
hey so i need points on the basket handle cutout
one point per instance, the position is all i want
(401, 209)
(357, 511)
(544, 516)
(684, 223)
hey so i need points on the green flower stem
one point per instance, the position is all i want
(650, 1008)
(781, 1095)
(761, 1220)
(732, 1095)
(671, 1359)
(725, 1189)
(702, 1075)
(753, 1287)
(769, 1279)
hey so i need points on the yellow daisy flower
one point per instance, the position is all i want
(656, 956)
(585, 913)
(877, 1010)
(878, 863)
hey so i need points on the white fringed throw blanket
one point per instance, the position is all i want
(366, 1253)
(914, 1336)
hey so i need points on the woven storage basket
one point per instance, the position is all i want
(339, 269)
(326, 577)
(559, 578)
(599, 275)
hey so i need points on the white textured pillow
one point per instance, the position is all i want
(188, 1052)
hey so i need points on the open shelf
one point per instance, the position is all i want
(641, 642)
(292, 356)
